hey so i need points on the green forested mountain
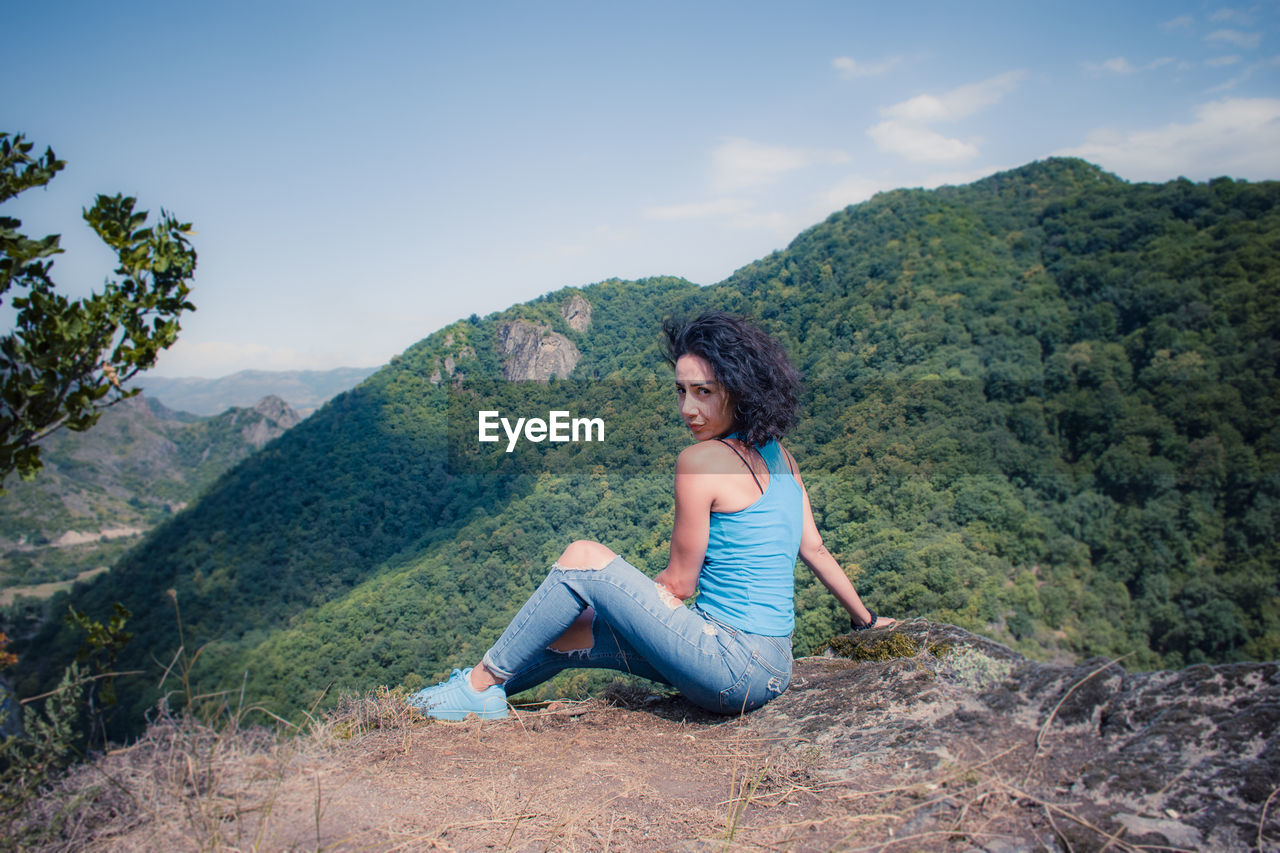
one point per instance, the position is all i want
(1042, 406)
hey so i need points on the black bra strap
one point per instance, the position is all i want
(744, 462)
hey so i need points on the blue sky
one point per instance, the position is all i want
(360, 175)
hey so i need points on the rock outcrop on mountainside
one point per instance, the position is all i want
(277, 417)
(921, 737)
(530, 351)
(576, 311)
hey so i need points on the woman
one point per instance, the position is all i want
(741, 517)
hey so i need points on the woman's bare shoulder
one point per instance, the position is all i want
(706, 457)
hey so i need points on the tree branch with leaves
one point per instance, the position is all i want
(66, 360)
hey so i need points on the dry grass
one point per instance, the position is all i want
(373, 775)
(186, 785)
(628, 771)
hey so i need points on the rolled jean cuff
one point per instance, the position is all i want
(487, 663)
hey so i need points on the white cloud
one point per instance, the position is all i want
(958, 103)
(851, 68)
(1238, 137)
(1120, 65)
(1245, 73)
(1245, 41)
(919, 143)
(1116, 65)
(904, 131)
(741, 164)
(1220, 61)
(1181, 22)
(739, 168)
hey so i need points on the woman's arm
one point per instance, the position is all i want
(820, 561)
(694, 496)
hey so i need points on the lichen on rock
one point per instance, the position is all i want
(1080, 754)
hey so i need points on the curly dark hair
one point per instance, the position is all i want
(752, 367)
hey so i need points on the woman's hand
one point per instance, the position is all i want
(670, 596)
(876, 621)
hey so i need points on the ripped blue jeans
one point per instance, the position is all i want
(640, 629)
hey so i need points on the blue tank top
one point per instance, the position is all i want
(748, 573)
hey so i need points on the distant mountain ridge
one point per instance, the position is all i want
(304, 390)
(101, 489)
(1043, 406)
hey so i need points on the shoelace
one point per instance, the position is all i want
(452, 676)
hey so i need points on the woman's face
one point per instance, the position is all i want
(704, 403)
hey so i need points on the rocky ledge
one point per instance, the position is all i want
(923, 737)
(984, 749)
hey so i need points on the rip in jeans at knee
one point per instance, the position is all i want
(576, 635)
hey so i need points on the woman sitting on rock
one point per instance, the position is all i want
(741, 517)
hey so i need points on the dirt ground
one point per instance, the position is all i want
(628, 772)
(568, 777)
(959, 745)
